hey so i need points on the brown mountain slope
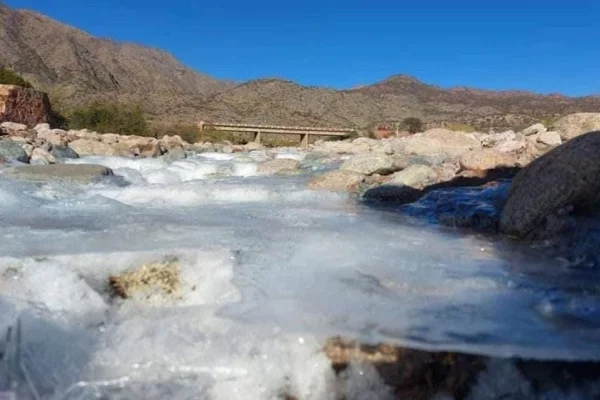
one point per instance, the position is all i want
(60, 58)
(78, 68)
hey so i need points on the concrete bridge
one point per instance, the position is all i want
(260, 130)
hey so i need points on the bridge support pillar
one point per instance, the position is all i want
(257, 137)
(304, 140)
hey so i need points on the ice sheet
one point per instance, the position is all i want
(275, 269)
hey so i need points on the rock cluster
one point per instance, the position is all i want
(399, 168)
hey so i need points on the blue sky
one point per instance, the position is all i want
(544, 46)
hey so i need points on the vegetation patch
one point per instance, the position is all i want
(117, 118)
(159, 279)
(460, 127)
(8, 77)
(412, 124)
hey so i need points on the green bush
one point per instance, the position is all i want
(110, 118)
(412, 124)
(8, 77)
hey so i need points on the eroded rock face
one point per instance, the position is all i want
(23, 105)
(577, 124)
(337, 181)
(565, 178)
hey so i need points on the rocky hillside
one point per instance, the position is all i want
(77, 68)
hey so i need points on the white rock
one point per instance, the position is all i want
(414, 176)
(41, 154)
(13, 126)
(533, 129)
(511, 146)
(42, 127)
(89, 147)
(28, 149)
(550, 138)
(56, 137)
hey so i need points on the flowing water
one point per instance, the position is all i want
(269, 269)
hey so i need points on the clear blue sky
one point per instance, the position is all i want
(544, 46)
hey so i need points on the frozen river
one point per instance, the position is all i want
(269, 269)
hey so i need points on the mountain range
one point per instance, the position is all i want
(77, 68)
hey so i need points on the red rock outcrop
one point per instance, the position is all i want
(23, 105)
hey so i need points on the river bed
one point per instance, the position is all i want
(269, 270)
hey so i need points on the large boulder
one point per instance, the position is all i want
(12, 127)
(24, 105)
(137, 146)
(577, 124)
(484, 159)
(82, 173)
(169, 142)
(415, 176)
(89, 147)
(444, 142)
(511, 146)
(337, 181)
(534, 129)
(42, 157)
(568, 177)
(369, 163)
(493, 139)
(549, 138)
(10, 150)
(341, 147)
(56, 137)
(278, 166)
(62, 152)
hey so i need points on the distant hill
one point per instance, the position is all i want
(77, 68)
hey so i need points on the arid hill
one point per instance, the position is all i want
(77, 68)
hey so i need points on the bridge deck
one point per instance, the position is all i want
(258, 130)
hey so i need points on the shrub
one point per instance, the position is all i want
(460, 127)
(412, 124)
(8, 77)
(110, 118)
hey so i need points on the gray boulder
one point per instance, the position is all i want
(369, 163)
(415, 176)
(10, 150)
(176, 153)
(278, 166)
(62, 152)
(81, 173)
(440, 142)
(566, 178)
(337, 181)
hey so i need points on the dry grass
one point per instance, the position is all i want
(150, 280)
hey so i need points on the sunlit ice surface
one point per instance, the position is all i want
(269, 269)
